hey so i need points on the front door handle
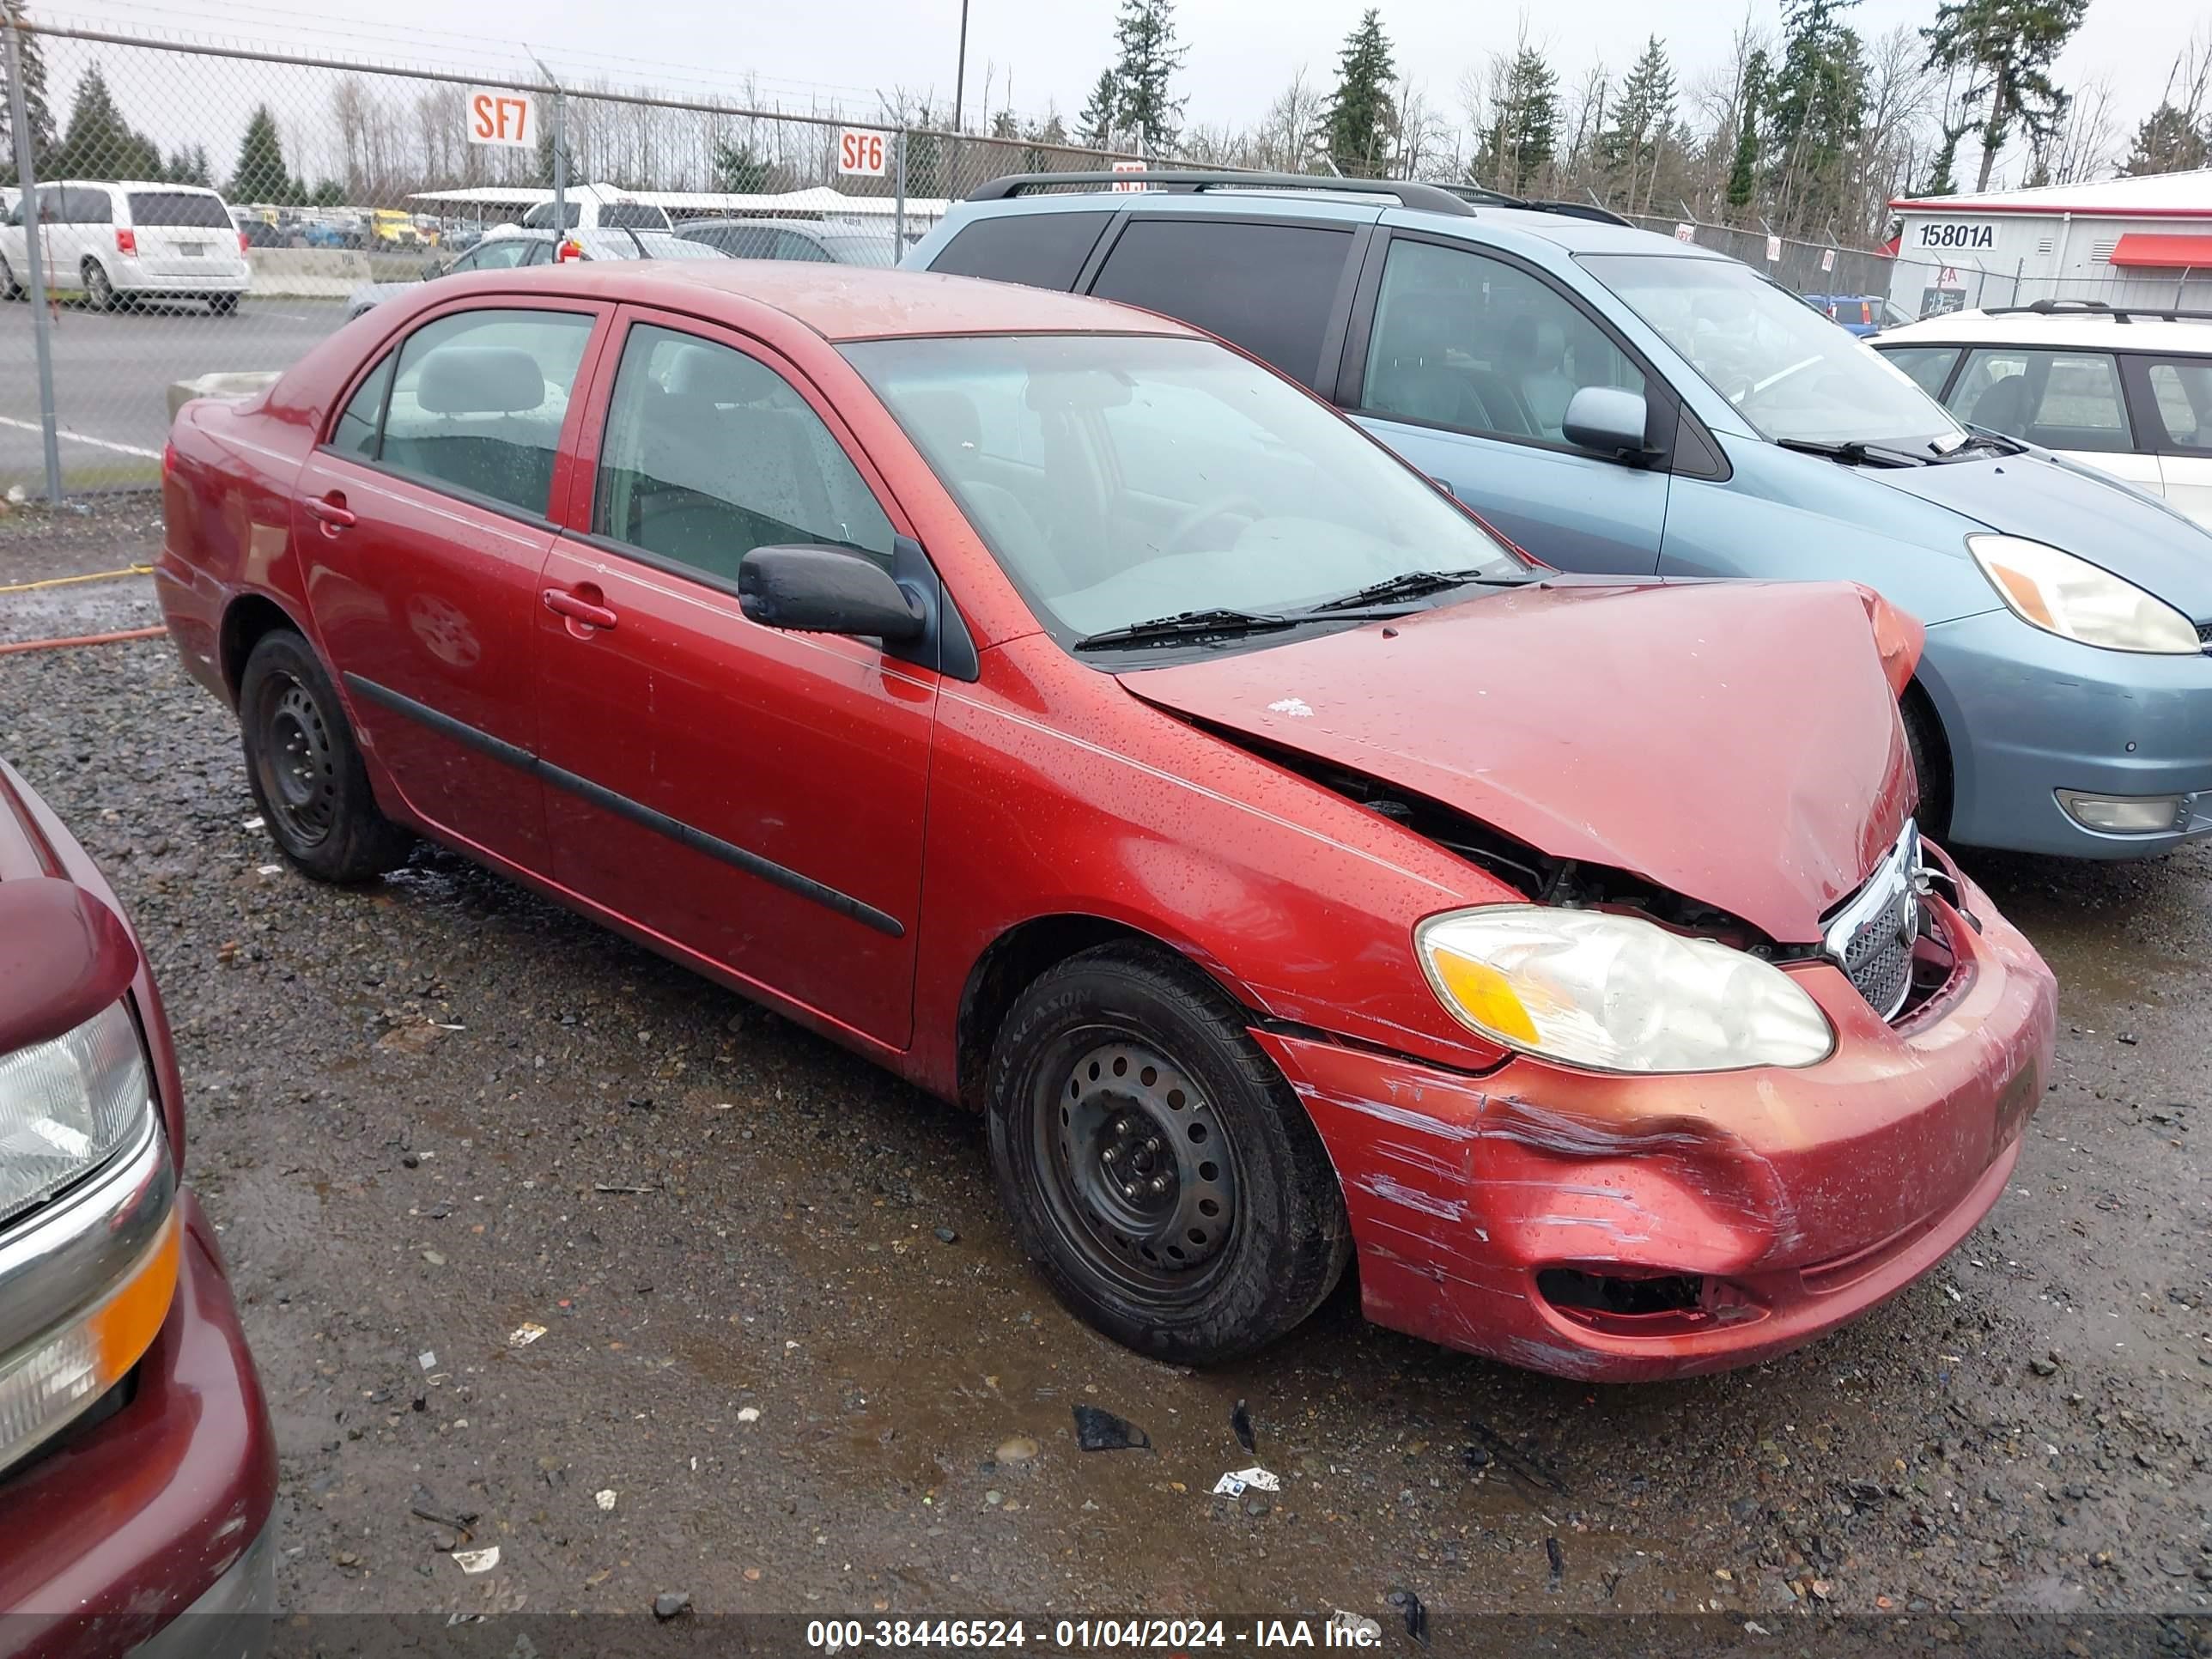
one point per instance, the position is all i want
(580, 607)
(332, 512)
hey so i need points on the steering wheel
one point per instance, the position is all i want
(1204, 515)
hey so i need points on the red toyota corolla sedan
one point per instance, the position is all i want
(138, 1470)
(1083, 722)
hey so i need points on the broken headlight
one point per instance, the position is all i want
(1616, 994)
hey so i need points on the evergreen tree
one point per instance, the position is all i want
(1004, 125)
(1094, 123)
(1815, 109)
(738, 169)
(2167, 142)
(327, 193)
(1523, 134)
(1941, 180)
(1150, 57)
(1360, 124)
(1743, 170)
(1642, 116)
(99, 143)
(260, 174)
(2006, 48)
(36, 111)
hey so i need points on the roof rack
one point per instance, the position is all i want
(1430, 198)
(2099, 308)
(1483, 196)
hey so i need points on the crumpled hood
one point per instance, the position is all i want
(1737, 742)
(2091, 514)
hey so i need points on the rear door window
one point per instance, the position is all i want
(1928, 366)
(85, 205)
(2059, 399)
(1464, 340)
(478, 400)
(1038, 250)
(1270, 289)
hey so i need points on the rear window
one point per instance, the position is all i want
(1266, 288)
(178, 207)
(632, 215)
(1040, 250)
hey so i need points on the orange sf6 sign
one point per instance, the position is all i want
(506, 119)
(862, 151)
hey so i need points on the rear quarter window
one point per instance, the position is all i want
(1038, 250)
(1269, 288)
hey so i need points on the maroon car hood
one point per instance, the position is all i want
(1737, 742)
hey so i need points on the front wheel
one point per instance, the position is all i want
(1159, 1170)
(305, 770)
(9, 288)
(1931, 762)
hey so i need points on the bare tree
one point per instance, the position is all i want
(1290, 134)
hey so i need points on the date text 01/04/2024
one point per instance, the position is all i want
(1073, 1636)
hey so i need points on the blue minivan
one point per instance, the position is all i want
(1620, 402)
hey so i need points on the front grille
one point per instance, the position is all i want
(1878, 957)
(1872, 934)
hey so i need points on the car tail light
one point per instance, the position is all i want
(244, 247)
(126, 240)
(168, 462)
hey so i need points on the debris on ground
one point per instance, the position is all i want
(1415, 1616)
(669, 1603)
(473, 1561)
(1018, 1449)
(1240, 1420)
(1255, 1479)
(946, 1236)
(1515, 1462)
(1363, 1630)
(1097, 1430)
(524, 1335)
(749, 1414)
(604, 1497)
(1557, 1559)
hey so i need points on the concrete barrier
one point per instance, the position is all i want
(246, 383)
(306, 272)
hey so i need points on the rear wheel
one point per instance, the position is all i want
(1158, 1168)
(1931, 762)
(97, 288)
(9, 288)
(305, 770)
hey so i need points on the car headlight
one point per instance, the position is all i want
(67, 1106)
(2077, 600)
(1617, 994)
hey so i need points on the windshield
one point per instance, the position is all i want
(1121, 479)
(861, 249)
(1790, 372)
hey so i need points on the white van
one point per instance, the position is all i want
(599, 207)
(129, 240)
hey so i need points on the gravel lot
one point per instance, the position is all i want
(791, 1364)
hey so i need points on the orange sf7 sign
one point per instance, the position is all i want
(507, 120)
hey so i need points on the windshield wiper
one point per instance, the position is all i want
(1854, 451)
(1216, 624)
(1411, 585)
(1976, 440)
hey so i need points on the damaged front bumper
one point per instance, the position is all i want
(1627, 1229)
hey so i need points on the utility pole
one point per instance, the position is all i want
(33, 259)
(960, 72)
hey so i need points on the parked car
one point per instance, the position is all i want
(118, 243)
(391, 229)
(1619, 402)
(601, 207)
(2126, 391)
(1864, 314)
(137, 1466)
(509, 250)
(334, 231)
(1076, 717)
(793, 239)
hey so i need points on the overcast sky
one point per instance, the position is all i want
(1242, 52)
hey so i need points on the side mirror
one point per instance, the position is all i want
(1605, 421)
(826, 590)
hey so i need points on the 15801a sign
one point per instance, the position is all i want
(1954, 234)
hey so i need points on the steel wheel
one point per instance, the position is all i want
(300, 772)
(1139, 1178)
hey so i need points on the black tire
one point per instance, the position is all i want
(223, 305)
(99, 292)
(1931, 763)
(9, 288)
(305, 769)
(1248, 1235)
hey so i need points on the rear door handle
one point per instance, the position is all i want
(577, 608)
(331, 510)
